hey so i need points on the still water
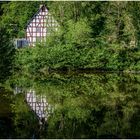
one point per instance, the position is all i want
(71, 106)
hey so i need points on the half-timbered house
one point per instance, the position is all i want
(38, 28)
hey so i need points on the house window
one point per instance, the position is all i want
(38, 30)
(20, 43)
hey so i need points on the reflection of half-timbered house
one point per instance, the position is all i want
(37, 102)
(38, 27)
(38, 105)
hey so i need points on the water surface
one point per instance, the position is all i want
(71, 106)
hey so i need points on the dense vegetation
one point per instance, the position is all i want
(92, 35)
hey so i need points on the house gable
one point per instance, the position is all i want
(40, 26)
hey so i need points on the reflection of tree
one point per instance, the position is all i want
(25, 123)
(5, 114)
(91, 105)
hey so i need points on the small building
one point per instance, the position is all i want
(21, 42)
(38, 28)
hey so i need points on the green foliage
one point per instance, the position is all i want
(13, 19)
(78, 33)
(92, 35)
(15, 16)
(94, 39)
(72, 56)
(7, 52)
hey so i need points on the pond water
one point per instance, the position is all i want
(105, 105)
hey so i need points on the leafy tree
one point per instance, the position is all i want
(15, 16)
(6, 53)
